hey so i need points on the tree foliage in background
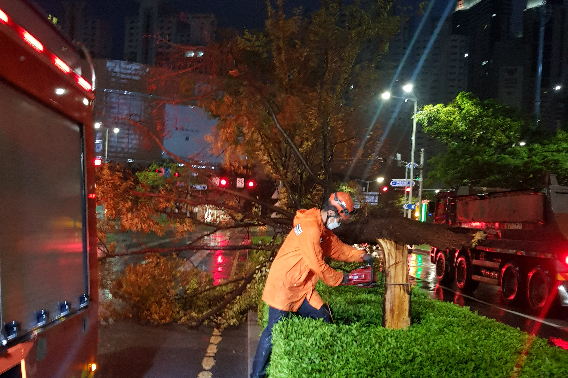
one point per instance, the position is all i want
(294, 89)
(482, 140)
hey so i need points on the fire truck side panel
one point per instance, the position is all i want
(48, 265)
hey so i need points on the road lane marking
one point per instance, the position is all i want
(209, 359)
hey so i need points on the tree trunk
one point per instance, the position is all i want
(396, 312)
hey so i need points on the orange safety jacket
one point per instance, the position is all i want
(299, 263)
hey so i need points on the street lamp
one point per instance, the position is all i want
(386, 95)
(380, 179)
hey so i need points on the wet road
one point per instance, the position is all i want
(486, 300)
(127, 349)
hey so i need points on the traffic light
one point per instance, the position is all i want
(385, 189)
(407, 189)
(223, 182)
(98, 161)
(251, 184)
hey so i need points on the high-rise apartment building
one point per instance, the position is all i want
(94, 33)
(151, 36)
(518, 55)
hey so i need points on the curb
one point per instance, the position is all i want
(253, 337)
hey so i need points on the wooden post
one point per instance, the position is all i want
(396, 311)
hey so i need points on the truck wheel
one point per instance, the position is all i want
(444, 268)
(464, 271)
(510, 283)
(538, 289)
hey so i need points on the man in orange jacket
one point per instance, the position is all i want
(299, 264)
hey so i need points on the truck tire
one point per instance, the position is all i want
(445, 270)
(538, 289)
(511, 283)
(464, 271)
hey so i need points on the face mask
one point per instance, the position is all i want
(332, 225)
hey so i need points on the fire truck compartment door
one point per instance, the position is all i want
(42, 244)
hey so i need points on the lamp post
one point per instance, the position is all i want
(386, 95)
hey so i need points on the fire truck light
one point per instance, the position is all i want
(566, 260)
(92, 367)
(32, 41)
(3, 17)
(92, 195)
(61, 65)
(84, 83)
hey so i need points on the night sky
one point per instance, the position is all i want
(238, 14)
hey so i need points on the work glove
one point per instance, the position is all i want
(368, 258)
(345, 278)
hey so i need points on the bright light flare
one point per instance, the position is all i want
(380, 179)
(3, 17)
(407, 88)
(386, 95)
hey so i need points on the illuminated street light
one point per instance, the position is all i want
(386, 95)
(380, 179)
(97, 125)
(116, 130)
(558, 87)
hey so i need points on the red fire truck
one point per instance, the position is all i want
(526, 249)
(48, 265)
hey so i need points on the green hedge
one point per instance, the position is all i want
(444, 340)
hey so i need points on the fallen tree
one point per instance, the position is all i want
(393, 234)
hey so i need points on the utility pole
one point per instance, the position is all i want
(421, 177)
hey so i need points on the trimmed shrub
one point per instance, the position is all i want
(444, 340)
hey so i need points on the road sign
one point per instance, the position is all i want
(240, 182)
(199, 187)
(408, 206)
(409, 165)
(402, 182)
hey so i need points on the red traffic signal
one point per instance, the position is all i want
(407, 189)
(98, 161)
(385, 188)
(251, 184)
(223, 182)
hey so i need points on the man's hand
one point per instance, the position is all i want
(345, 278)
(368, 258)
